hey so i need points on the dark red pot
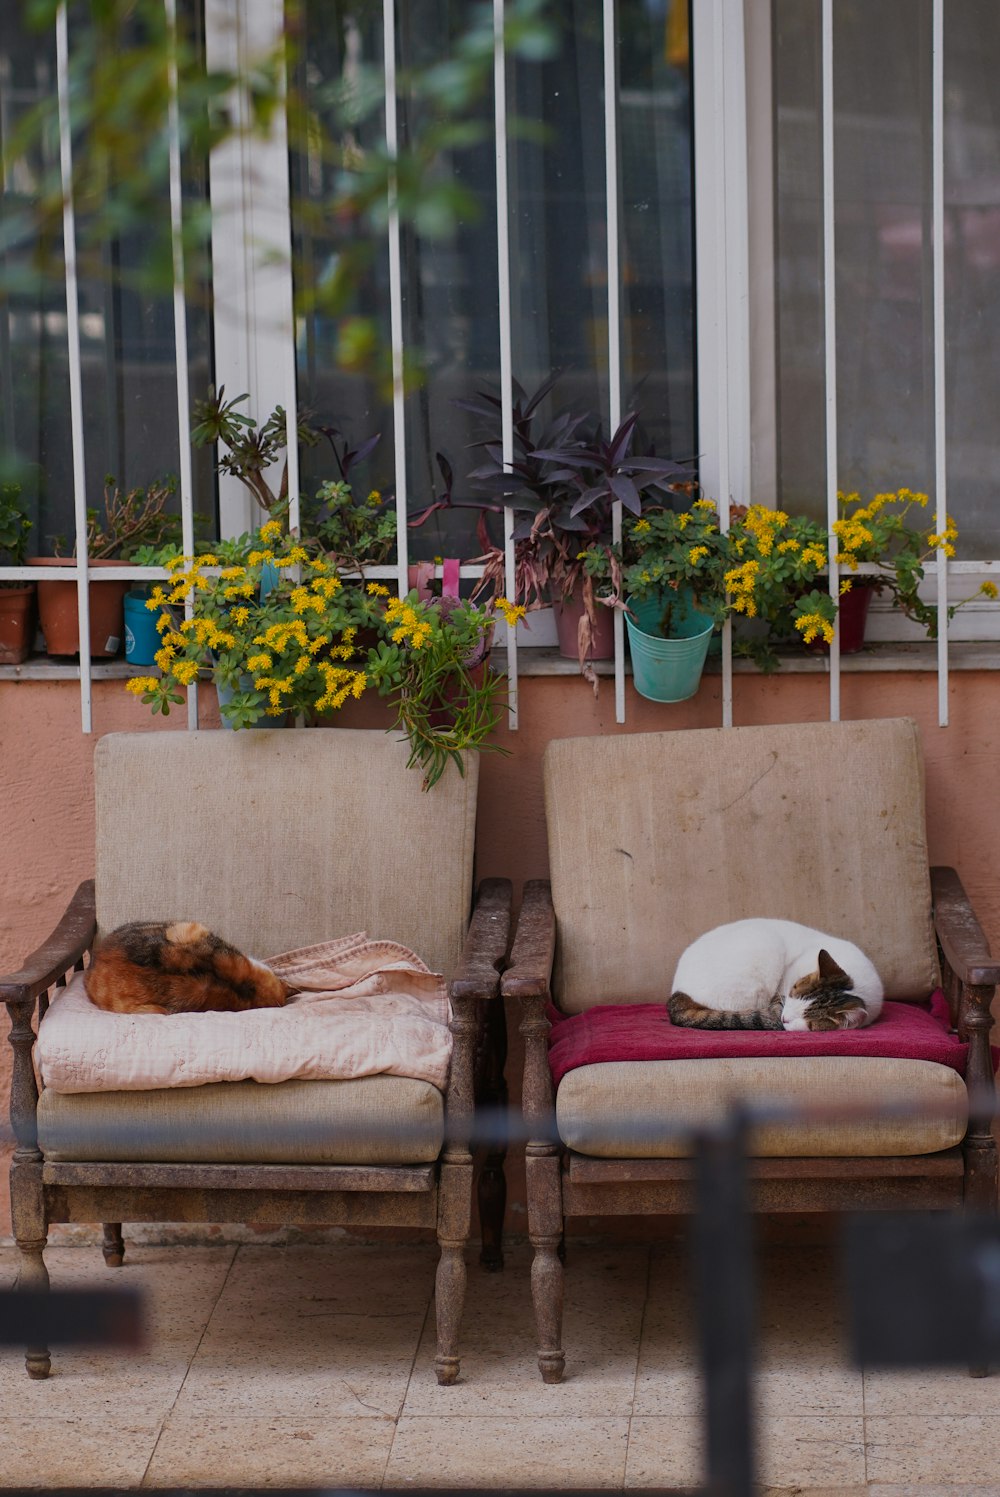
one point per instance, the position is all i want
(853, 614)
(568, 615)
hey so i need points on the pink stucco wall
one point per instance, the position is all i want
(47, 763)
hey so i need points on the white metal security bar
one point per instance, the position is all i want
(830, 337)
(613, 191)
(940, 447)
(180, 328)
(505, 334)
(75, 366)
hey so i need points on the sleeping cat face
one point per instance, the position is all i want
(823, 1000)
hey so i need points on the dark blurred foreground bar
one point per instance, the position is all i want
(923, 1289)
(72, 1317)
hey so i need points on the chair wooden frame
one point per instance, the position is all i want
(437, 1195)
(563, 1184)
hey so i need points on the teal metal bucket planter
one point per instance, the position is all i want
(142, 638)
(667, 670)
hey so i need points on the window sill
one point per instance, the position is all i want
(963, 655)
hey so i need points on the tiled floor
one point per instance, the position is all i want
(312, 1366)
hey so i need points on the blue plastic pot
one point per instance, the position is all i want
(142, 638)
(667, 670)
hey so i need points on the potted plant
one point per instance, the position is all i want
(673, 580)
(300, 646)
(131, 519)
(563, 483)
(891, 532)
(777, 583)
(17, 599)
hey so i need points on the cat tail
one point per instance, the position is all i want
(691, 1015)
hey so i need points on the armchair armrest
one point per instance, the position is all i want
(478, 974)
(959, 932)
(529, 972)
(476, 980)
(65, 948)
(71, 939)
(528, 978)
(971, 979)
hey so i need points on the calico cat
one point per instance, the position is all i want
(773, 974)
(154, 967)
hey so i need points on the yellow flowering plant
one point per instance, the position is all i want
(894, 532)
(778, 561)
(275, 625)
(667, 552)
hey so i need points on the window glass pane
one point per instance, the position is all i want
(340, 49)
(559, 245)
(884, 248)
(126, 332)
(654, 67)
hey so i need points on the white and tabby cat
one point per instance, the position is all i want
(773, 974)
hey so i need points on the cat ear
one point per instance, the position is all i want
(828, 969)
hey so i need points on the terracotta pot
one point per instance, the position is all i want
(451, 700)
(568, 615)
(57, 611)
(17, 623)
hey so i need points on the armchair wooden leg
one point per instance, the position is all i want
(113, 1245)
(545, 1229)
(454, 1226)
(27, 1210)
(449, 1292)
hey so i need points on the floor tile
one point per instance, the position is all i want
(948, 1390)
(801, 1367)
(258, 1452)
(913, 1489)
(180, 1287)
(935, 1448)
(919, 1490)
(508, 1452)
(604, 1292)
(325, 1331)
(792, 1452)
(108, 1452)
(664, 1452)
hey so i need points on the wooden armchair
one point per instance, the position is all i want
(655, 838)
(276, 841)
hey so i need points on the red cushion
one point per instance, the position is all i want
(643, 1031)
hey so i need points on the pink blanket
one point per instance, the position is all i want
(642, 1031)
(364, 1008)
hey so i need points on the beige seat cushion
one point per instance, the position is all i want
(280, 840)
(642, 1109)
(655, 838)
(375, 1120)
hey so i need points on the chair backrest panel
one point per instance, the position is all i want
(277, 840)
(655, 838)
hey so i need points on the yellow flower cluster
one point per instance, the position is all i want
(946, 540)
(513, 612)
(696, 553)
(741, 581)
(811, 625)
(988, 589)
(340, 684)
(641, 526)
(139, 685)
(763, 524)
(410, 629)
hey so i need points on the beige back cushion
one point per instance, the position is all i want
(280, 839)
(655, 838)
